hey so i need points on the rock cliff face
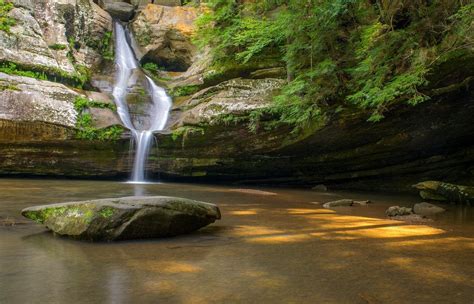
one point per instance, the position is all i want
(210, 134)
(56, 35)
(163, 36)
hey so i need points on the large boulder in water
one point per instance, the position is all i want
(125, 218)
(440, 191)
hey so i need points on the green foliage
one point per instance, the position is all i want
(368, 54)
(152, 67)
(84, 124)
(58, 47)
(78, 79)
(231, 31)
(106, 47)
(82, 103)
(6, 21)
(87, 132)
(12, 69)
(184, 90)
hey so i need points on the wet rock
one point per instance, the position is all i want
(440, 191)
(398, 211)
(339, 203)
(427, 209)
(121, 10)
(125, 218)
(345, 203)
(321, 188)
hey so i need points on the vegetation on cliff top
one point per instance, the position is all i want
(341, 53)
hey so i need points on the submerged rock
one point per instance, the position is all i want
(320, 187)
(125, 218)
(427, 209)
(398, 211)
(345, 202)
(439, 191)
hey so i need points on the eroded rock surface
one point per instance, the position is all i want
(163, 35)
(235, 97)
(47, 31)
(27, 99)
(125, 218)
(41, 110)
(121, 10)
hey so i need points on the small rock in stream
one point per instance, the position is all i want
(345, 203)
(427, 209)
(398, 211)
(320, 187)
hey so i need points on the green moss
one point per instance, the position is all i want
(81, 103)
(9, 87)
(79, 79)
(33, 215)
(185, 131)
(183, 91)
(107, 212)
(58, 47)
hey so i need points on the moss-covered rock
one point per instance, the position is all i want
(439, 191)
(124, 218)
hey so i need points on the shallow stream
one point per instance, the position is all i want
(272, 246)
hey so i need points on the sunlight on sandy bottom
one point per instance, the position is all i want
(165, 267)
(326, 224)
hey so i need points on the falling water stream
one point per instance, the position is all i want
(126, 63)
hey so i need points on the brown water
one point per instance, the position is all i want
(272, 246)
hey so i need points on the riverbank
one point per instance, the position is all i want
(272, 246)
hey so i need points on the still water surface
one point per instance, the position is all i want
(272, 246)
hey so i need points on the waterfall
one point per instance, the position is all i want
(126, 63)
